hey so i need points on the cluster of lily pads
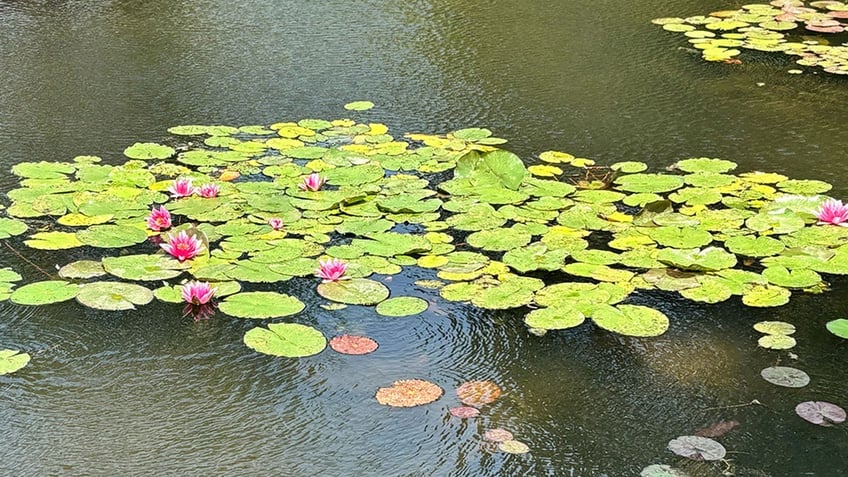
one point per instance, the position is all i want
(770, 28)
(564, 239)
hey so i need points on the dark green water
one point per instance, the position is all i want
(149, 393)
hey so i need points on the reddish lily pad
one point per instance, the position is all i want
(409, 393)
(498, 435)
(464, 412)
(350, 344)
(478, 393)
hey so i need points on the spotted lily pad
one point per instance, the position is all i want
(260, 305)
(111, 236)
(289, 340)
(350, 344)
(776, 342)
(822, 413)
(554, 318)
(630, 320)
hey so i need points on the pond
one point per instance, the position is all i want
(149, 392)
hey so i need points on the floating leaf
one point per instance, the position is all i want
(409, 393)
(149, 150)
(776, 342)
(44, 293)
(785, 376)
(143, 267)
(359, 106)
(478, 393)
(822, 413)
(554, 318)
(661, 470)
(402, 306)
(630, 320)
(697, 448)
(498, 435)
(350, 344)
(290, 340)
(53, 241)
(260, 305)
(11, 227)
(113, 295)
(464, 412)
(82, 269)
(356, 291)
(838, 327)
(766, 295)
(111, 236)
(775, 327)
(12, 360)
(513, 447)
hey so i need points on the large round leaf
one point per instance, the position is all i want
(357, 291)
(143, 267)
(111, 236)
(409, 393)
(149, 150)
(821, 413)
(113, 295)
(838, 327)
(785, 376)
(12, 360)
(43, 293)
(290, 340)
(402, 306)
(261, 305)
(630, 320)
(554, 318)
(697, 448)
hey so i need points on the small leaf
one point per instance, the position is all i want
(290, 340)
(785, 376)
(697, 448)
(822, 413)
(12, 360)
(838, 327)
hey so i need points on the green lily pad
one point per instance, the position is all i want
(512, 293)
(111, 236)
(499, 167)
(11, 227)
(53, 241)
(149, 150)
(44, 293)
(766, 296)
(359, 106)
(12, 360)
(289, 340)
(357, 291)
(838, 327)
(706, 165)
(498, 240)
(709, 259)
(655, 183)
(775, 327)
(402, 306)
(143, 267)
(554, 318)
(678, 237)
(260, 305)
(786, 278)
(535, 256)
(660, 470)
(82, 269)
(776, 342)
(630, 320)
(754, 246)
(113, 295)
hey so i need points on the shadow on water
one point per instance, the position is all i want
(148, 392)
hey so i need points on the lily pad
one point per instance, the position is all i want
(661, 470)
(289, 340)
(12, 360)
(359, 106)
(478, 393)
(44, 293)
(822, 413)
(775, 327)
(464, 412)
(513, 447)
(776, 342)
(82, 269)
(260, 305)
(554, 318)
(113, 295)
(497, 435)
(630, 320)
(402, 306)
(356, 291)
(149, 150)
(409, 393)
(350, 344)
(697, 448)
(111, 236)
(785, 376)
(838, 327)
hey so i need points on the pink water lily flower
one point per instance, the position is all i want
(183, 246)
(312, 182)
(181, 188)
(209, 190)
(276, 223)
(159, 219)
(833, 212)
(331, 270)
(197, 293)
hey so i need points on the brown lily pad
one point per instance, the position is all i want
(350, 344)
(464, 412)
(478, 393)
(718, 429)
(409, 393)
(498, 435)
